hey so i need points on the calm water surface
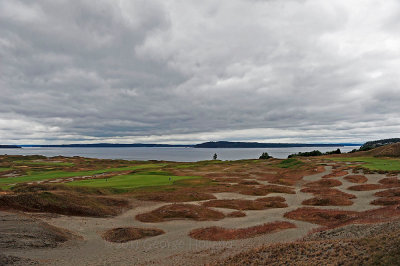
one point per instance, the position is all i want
(168, 154)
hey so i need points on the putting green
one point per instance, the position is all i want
(131, 181)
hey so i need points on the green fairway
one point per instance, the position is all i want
(37, 176)
(131, 181)
(373, 163)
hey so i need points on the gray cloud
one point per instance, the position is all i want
(190, 71)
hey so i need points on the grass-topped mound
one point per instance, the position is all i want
(224, 234)
(336, 218)
(324, 183)
(356, 179)
(336, 173)
(328, 201)
(180, 212)
(366, 187)
(64, 202)
(126, 234)
(321, 216)
(333, 192)
(239, 204)
(175, 196)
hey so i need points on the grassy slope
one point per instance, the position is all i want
(373, 163)
(37, 176)
(26, 162)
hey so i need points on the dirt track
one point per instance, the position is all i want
(176, 247)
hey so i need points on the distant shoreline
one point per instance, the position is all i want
(10, 147)
(219, 144)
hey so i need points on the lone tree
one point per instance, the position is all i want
(265, 155)
(215, 156)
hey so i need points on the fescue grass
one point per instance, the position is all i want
(180, 212)
(64, 202)
(126, 234)
(372, 163)
(224, 234)
(50, 163)
(3, 169)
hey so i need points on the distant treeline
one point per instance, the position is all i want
(314, 153)
(9, 147)
(228, 144)
(106, 145)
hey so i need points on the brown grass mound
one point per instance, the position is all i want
(321, 216)
(324, 183)
(175, 196)
(327, 201)
(272, 199)
(243, 204)
(274, 202)
(236, 214)
(125, 234)
(366, 187)
(179, 212)
(386, 201)
(331, 192)
(249, 182)
(336, 218)
(356, 179)
(262, 190)
(390, 182)
(336, 174)
(22, 188)
(68, 203)
(223, 234)
(389, 193)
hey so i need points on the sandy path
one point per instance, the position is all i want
(175, 247)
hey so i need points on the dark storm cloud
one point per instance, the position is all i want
(190, 71)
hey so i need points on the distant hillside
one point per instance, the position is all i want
(391, 150)
(106, 145)
(9, 147)
(378, 143)
(228, 144)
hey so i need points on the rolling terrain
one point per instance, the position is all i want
(337, 209)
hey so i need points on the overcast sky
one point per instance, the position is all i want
(189, 71)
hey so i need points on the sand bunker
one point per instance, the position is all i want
(236, 214)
